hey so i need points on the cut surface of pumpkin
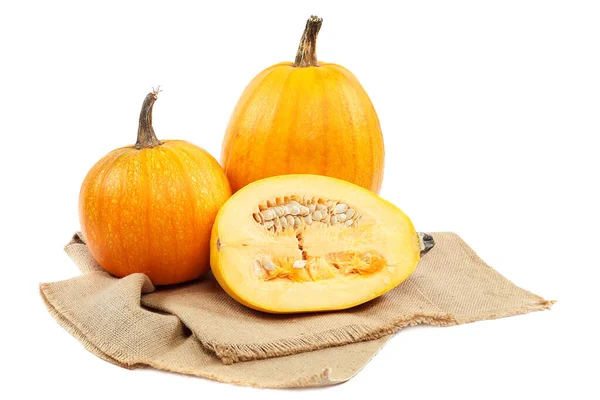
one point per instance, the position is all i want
(301, 243)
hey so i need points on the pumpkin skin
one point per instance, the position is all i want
(150, 210)
(306, 117)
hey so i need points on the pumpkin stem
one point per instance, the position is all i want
(426, 242)
(146, 138)
(307, 50)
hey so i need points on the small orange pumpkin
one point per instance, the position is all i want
(305, 117)
(150, 207)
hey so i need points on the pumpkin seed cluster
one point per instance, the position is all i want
(296, 212)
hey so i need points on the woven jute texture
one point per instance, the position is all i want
(197, 329)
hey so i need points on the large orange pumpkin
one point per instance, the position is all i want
(150, 207)
(305, 117)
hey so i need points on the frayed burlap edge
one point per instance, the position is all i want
(233, 353)
(61, 316)
(230, 354)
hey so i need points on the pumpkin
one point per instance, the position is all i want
(149, 208)
(304, 243)
(306, 117)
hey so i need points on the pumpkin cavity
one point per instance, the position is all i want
(294, 216)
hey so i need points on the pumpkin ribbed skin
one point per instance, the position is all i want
(150, 208)
(304, 120)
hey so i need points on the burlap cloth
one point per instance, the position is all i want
(197, 329)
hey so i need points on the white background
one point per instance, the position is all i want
(490, 113)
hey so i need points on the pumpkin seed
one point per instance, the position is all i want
(268, 214)
(340, 208)
(340, 217)
(317, 216)
(292, 209)
(290, 221)
(349, 222)
(269, 224)
(283, 222)
(268, 264)
(299, 264)
(350, 212)
(308, 220)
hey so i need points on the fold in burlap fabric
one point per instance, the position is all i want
(197, 329)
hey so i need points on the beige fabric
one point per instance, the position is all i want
(197, 329)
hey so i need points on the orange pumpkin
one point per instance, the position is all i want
(150, 207)
(305, 117)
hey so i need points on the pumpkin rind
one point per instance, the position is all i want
(304, 119)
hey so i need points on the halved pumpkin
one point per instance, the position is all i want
(300, 243)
